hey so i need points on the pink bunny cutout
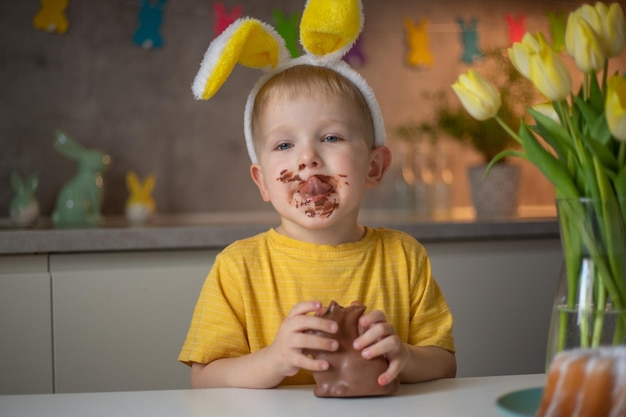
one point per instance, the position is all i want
(223, 18)
(516, 27)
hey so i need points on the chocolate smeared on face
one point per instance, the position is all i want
(349, 374)
(314, 192)
(288, 176)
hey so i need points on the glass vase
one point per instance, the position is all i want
(590, 303)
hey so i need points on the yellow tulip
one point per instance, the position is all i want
(479, 97)
(547, 109)
(612, 35)
(550, 75)
(520, 52)
(590, 15)
(583, 39)
(615, 106)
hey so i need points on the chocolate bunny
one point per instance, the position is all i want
(349, 374)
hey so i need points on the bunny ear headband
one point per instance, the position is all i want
(328, 30)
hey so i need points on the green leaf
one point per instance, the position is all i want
(620, 190)
(587, 111)
(602, 152)
(620, 183)
(596, 98)
(504, 154)
(585, 159)
(573, 167)
(552, 168)
(553, 133)
(600, 130)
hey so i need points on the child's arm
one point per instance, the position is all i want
(267, 367)
(407, 362)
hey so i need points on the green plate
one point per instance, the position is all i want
(522, 403)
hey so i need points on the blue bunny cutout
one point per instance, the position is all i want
(150, 18)
(469, 37)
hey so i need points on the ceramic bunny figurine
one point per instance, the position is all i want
(79, 202)
(24, 209)
(140, 205)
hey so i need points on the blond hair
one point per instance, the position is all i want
(308, 81)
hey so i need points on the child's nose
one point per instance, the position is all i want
(309, 158)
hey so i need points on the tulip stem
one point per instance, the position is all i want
(562, 110)
(508, 130)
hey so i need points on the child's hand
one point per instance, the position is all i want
(379, 338)
(286, 352)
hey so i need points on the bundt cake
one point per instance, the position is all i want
(586, 382)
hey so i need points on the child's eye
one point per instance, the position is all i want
(284, 146)
(332, 138)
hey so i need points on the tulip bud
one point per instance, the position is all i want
(583, 39)
(479, 97)
(615, 107)
(612, 35)
(520, 52)
(547, 109)
(550, 75)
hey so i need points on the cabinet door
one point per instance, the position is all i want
(501, 296)
(120, 319)
(25, 325)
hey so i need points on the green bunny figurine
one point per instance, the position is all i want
(24, 208)
(79, 202)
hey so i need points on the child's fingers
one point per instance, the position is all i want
(373, 334)
(305, 307)
(390, 374)
(308, 363)
(312, 342)
(386, 346)
(371, 318)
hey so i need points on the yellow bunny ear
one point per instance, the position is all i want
(149, 183)
(132, 181)
(330, 27)
(246, 41)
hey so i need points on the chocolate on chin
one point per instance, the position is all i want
(349, 374)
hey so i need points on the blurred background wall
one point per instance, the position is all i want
(106, 92)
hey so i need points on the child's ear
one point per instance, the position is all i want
(257, 176)
(380, 161)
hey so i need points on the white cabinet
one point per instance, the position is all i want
(501, 295)
(116, 321)
(25, 325)
(120, 319)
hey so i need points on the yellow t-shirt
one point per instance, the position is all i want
(255, 282)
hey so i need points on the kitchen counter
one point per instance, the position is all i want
(218, 229)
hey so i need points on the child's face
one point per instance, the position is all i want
(315, 159)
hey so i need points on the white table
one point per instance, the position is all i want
(461, 397)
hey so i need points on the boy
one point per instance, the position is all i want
(315, 135)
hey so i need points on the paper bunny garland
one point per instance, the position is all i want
(328, 30)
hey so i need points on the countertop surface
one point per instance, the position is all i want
(218, 229)
(466, 397)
